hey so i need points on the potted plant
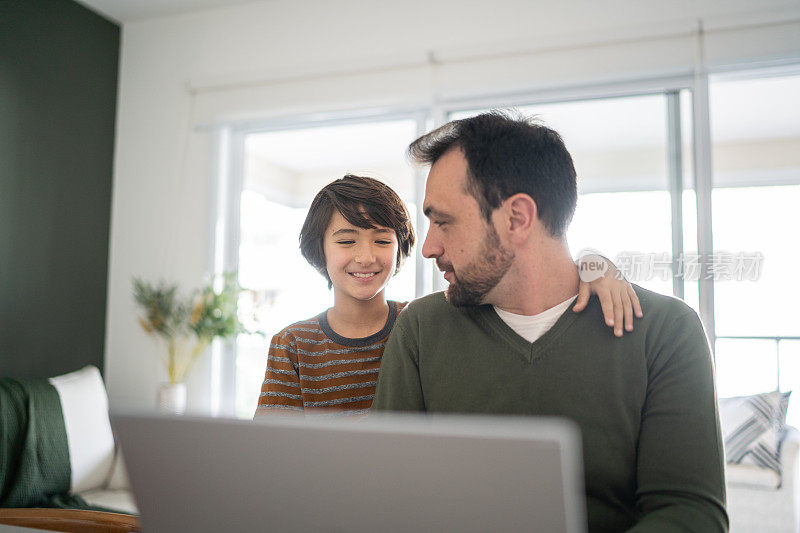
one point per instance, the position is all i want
(186, 326)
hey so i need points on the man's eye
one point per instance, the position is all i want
(439, 223)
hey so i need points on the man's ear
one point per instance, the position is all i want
(522, 216)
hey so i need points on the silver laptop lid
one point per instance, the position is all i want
(387, 473)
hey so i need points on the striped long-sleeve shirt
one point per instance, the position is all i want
(310, 366)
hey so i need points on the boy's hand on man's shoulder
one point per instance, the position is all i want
(617, 297)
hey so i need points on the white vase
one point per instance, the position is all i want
(172, 398)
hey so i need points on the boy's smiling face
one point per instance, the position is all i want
(359, 261)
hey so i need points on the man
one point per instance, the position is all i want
(500, 195)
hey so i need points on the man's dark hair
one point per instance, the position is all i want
(508, 155)
(363, 202)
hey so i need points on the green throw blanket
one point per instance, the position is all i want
(34, 452)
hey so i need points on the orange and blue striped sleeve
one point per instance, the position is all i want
(281, 390)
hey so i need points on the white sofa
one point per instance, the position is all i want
(98, 472)
(762, 485)
(761, 500)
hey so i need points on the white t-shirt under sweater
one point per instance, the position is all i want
(532, 327)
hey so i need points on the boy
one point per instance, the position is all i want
(357, 234)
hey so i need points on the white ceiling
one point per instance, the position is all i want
(122, 11)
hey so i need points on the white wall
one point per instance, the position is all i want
(284, 57)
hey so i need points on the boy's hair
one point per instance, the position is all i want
(363, 202)
(507, 155)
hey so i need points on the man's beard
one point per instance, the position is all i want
(475, 280)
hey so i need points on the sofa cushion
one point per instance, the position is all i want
(118, 479)
(91, 443)
(752, 476)
(118, 500)
(753, 428)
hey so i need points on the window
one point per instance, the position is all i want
(634, 155)
(756, 163)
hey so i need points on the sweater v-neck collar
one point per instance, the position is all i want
(530, 352)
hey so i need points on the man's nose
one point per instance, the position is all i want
(431, 247)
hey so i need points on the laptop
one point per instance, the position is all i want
(383, 473)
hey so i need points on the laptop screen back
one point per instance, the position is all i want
(392, 473)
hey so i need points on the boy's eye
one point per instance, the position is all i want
(345, 242)
(384, 242)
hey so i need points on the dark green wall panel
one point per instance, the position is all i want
(58, 85)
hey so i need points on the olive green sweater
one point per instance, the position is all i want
(645, 403)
